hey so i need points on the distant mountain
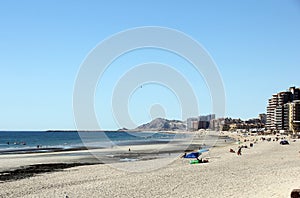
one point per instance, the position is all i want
(161, 124)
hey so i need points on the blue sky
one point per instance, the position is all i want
(255, 45)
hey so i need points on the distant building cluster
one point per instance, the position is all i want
(230, 124)
(283, 115)
(200, 122)
(225, 124)
(283, 111)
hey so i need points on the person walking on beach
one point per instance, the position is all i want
(239, 151)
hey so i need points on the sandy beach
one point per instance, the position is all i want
(266, 170)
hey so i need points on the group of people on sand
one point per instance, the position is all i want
(201, 160)
(277, 138)
(239, 152)
(196, 155)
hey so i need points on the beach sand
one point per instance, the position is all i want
(266, 170)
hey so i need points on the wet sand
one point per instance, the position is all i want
(138, 152)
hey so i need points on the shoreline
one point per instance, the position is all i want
(19, 141)
(119, 154)
(266, 170)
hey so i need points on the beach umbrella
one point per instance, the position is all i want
(192, 155)
(196, 154)
(200, 151)
(203, 151)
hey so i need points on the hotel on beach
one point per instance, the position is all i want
(283, 111)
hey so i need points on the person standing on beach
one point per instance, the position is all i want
(239, 151)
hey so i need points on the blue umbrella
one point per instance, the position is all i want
(203, 150)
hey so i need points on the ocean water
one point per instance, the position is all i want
(12, 140)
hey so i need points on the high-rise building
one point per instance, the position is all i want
(279, 117)
(271, 112)
(282, 111)
(295, 92)
(286, 117)
(294, 116)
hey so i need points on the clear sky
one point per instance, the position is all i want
(255, 44)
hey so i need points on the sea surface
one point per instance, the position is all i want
(15, 141)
